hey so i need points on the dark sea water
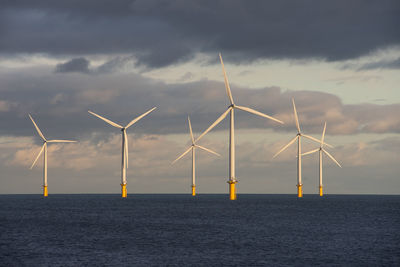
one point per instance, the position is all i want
(208, 230)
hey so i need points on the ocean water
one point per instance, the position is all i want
(208, 230)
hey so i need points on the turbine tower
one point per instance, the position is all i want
(44, 148)
(322, 150)
(125, 153)
(193, 149)
(298, 138)
(231, 109)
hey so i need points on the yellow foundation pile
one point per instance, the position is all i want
(300, 190)
(123, 189)
(193, 190)
(232, 190)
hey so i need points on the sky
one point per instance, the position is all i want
(339, 60)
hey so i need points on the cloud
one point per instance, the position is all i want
(114, 64)
(381, 64)
(97, 96)
(186, 77)
(4, 106)
(160, 33)
(384, 64)
(60, 103)
(82, 65)
(74, 65)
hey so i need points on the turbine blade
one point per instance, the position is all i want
(215, 123)
(183, 154)
(315, 139)
(323, 135)
(291, 142)
(37, 157)
(126, 149)
(106, 120)
(208, 150)
(191, 132)
(138, 118)
(258, 113)
(295, 116)
(228, 89)
(37, 128)
(332, 158)
(310, 152)
(61, 141)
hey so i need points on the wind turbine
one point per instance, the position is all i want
(231, 109)
(298, 138)
(193, 149)
(44, 148)
(322, 150)
(125, 153)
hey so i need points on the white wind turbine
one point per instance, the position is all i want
(125, 153)
(44, 148)
(231, 109)
(193, 149)
(298, 138)
(322, 150)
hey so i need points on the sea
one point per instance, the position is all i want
(206, 230)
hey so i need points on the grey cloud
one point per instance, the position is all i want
(74, 65)
(60, 104)
(385, 64)
(114, 64)
(381, 64)
(159, 33)
(376, 118)
(187, 76)
(82, 65)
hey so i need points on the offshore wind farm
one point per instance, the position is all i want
(167, 207)
(275, 141)
(232, 180)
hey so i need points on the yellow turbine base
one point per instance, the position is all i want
(300, 190)
(320, 191)
(193, 190)
(232, 190)
(45, 191)
(124, 192)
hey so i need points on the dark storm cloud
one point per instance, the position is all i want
(60, 103)
(161, 33)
